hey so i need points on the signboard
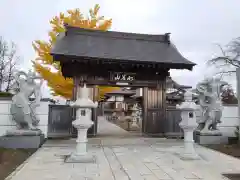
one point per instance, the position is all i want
(122, 77)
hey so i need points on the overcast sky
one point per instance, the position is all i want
(195, 26)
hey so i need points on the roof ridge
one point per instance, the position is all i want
(122, 35)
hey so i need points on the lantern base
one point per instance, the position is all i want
(191, 156)
(74, 158)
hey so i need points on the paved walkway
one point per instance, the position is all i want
(107, 129)
(125, 158)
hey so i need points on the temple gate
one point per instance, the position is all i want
(110, 58)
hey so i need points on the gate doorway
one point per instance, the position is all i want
(152, 112)
(122, 108)
(97, 58)
(152, 103)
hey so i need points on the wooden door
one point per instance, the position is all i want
(154, 111)
(59, 121)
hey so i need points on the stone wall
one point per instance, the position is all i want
(6, 122)
(229, 120)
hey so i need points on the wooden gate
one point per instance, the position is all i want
(153, 111)
(173, 118)
(158, 119)
(60, 121)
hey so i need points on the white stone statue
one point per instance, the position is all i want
(22, 109)
(209, 96)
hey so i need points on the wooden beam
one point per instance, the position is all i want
(143, 72)
(137, 84)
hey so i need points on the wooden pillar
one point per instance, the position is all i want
(74, 98)
(145, 110)
(154, 110)
(164, 106)
(74, 91)
(93, 130)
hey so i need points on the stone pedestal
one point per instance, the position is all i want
(23, 132)
(81, 155)
(82, 123)
(24, 139)
(76, 158)
(134, 123)
(189, 149)
(188, 124)
(210, 139)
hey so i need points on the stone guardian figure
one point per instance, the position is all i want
(209, 96)
(22, 109)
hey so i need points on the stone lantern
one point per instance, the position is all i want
(82, 123)
(188, 124)
(134, 115)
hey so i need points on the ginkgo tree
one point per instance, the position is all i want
(51, 70)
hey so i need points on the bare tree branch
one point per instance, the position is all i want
(230, 55)
(8, 62)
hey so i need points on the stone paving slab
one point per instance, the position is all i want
(127, 158)
(130, 162)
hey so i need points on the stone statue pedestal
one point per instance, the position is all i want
(23, 132)
(210, 138)
(24, 139)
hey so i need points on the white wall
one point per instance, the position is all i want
(227, 127)
(5, 117)
(6, 122)
(229, 120)
(42, 112)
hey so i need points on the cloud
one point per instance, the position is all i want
(195, 26)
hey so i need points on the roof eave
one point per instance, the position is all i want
(188, 66)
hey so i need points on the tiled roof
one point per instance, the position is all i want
(119, 46)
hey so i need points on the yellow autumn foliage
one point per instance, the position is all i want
(44, 61)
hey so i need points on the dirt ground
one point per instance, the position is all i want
(10, 159)
(232, 150)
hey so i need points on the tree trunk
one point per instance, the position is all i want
(238, 97)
